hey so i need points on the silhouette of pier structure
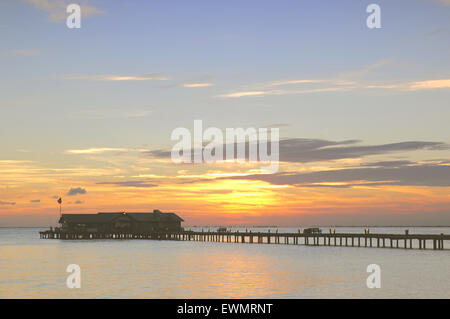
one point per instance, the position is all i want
(366, 239)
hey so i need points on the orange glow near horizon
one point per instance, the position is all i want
(203, 196)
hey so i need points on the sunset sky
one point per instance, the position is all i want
(87, 114)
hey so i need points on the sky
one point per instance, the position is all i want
(87, 114)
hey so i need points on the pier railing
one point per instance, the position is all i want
(406, 241)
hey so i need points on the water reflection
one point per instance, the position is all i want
(32, 268)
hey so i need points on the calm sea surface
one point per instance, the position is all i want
(36, 268)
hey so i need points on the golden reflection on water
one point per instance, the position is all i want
(150, 270)
(33, 268)
(242, 275)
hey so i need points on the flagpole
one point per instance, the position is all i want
(60, 207)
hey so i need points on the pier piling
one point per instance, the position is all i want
(318, 239)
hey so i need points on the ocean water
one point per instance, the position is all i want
(31, 267)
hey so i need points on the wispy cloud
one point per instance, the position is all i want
(342, 86)
(445, 2)
(402, 175)
(316, 150)
(101, 150)
(285, 92)
(57, 9)
(303, 150)
(119, 78)
(430, 84)
(22, 52)
(196, 85)
(96, 150)
(35, 201)
(438, 32)
(112, 113)
(366, 70)
(244, 93)
(7, 203)
(139, 184)
(12, 162)
(414, 86)
(343, 82)
(290, 82)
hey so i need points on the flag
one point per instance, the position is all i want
(60, 200)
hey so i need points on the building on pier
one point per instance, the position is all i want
(121, 222)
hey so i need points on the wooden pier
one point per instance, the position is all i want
(405, 241)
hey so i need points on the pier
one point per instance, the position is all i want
(403, 241)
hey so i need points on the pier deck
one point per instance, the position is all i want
(405, 241)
